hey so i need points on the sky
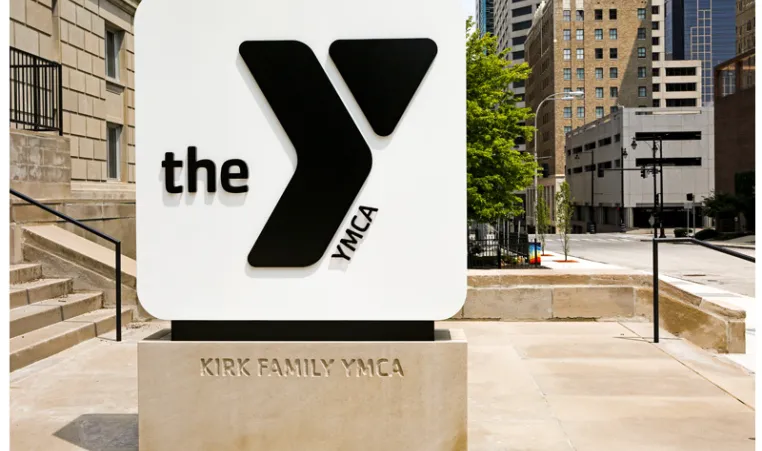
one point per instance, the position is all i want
(469, 7)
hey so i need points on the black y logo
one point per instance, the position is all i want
(333, 159)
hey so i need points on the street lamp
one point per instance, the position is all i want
(566, 96)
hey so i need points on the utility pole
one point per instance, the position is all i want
(656, 195)
(661, 195)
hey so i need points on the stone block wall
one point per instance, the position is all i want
(73, 32)
(40, 164)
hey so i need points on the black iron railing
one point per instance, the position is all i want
(36, 92)
(656, 242)
(503, 251)
(110, 239)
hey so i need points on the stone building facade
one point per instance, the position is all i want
(602, 48)
(86, 166)
(746, 25)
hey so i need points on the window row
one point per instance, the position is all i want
(579, 15)
(598, 33)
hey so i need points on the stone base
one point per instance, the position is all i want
(303, 395)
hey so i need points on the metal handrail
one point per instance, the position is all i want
(656, 242)
(114, 241)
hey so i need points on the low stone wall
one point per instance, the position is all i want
(536, 295)
(40, 164)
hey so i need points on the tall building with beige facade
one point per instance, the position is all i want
(745, 25)
(72, 111)
(601, 47)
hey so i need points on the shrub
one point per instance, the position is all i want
(706, 234)
(681, 233)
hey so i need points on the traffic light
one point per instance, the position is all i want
(643, 172)
(689, 197)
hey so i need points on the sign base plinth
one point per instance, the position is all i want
(290, 395)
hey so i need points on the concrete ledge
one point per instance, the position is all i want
(321, 396)
(523, 295)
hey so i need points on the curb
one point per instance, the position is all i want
(720, 244)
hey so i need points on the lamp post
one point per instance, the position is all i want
(566, 96)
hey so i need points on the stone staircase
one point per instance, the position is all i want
(48, 316)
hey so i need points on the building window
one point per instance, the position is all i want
(657, 103)
(614, 92)
(613, 109)
(567, 54)
(655, 9)
(612, 14)
(598, 14)
(567, 112)
(580, 35)
(580, 74)
(655, 72)
(641, 72)
(567, 89)
(599, 34)
(113, 43)
(580, 54)
(519, 40)
(518, 55)
(613, 72)
(114, 149)
(567, 15)
(599, 73)
(681, 102)
(598, 112)
(642, 13)
(599, 93)
(681, 71)
(567, 128)
(525, 25)
(655, 56)
(580, 15)
(655, 25)
(642, 91)
(681, 87)
(581, 89)
(599, 54)
(521, 11)
(567, 35)
(567, 73)
(581, 112)
(641, 52)
(655, 40)
(641, 33)
(612, 33)
(656, 87)
(613, 53)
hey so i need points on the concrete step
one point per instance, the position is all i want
(44, 313)
(38, 290)
(25, 272)
(41, 343)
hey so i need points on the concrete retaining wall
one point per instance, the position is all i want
(537, 295)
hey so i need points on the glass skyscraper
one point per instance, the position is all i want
(702, 30)
(485, 16)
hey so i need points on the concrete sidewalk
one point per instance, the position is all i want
(549, 386)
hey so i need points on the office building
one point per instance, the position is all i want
(703, 30)
(603, 172)
(676, 83)
(745, 25)
(601, 48)
(485, 16)
(513, 19)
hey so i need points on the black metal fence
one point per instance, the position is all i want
(502, 246)
(36, 92)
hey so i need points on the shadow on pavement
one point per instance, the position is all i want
(102, 432)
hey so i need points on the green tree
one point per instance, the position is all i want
(543, 216)
(564, 215)
(496, 170)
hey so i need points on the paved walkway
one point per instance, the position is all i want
(532, 386)
(721, 297)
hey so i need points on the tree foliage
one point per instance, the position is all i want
(543, 216)
(495, 169)
(722, 206)
(564, 215)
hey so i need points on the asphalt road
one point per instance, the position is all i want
(684, 261)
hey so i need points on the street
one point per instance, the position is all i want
(684, 261)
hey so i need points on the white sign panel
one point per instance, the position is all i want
(301, 159)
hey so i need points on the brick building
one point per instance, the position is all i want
(602, 48)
